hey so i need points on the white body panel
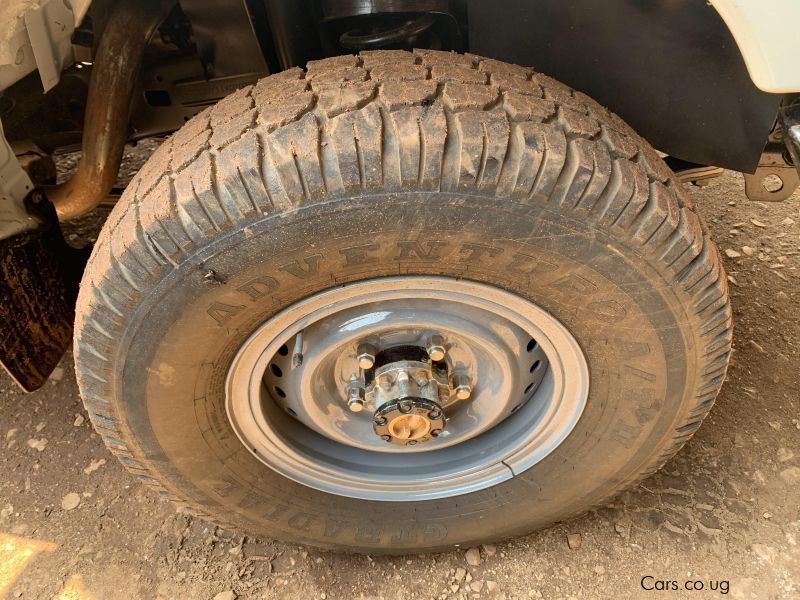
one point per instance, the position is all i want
(768, 35)
(36, 34)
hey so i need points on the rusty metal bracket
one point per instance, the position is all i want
(114, 75)
(774, 180)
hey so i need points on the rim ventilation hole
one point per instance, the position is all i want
(283, 350)
(291, 412)
(280, 392)
(529, 388)
(535, 365)
(276, 370)
(532, 345)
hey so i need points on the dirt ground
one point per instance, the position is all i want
(724, 513)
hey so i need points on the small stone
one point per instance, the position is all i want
(11, 433)
(40, 426)
(226, 595)
(57, 374)
(574, 541)
(600, 570)
(94, 465)
(70, 501)
(79, 420)
(473, 556)
(491, 586)
(757, 346)
(624, 531)
(731, 253)
(791, 475)
(476, 586)
(7, 511)
(782, 296)
(764, 552)
(757, 223)
(454, 588)
(460, 574)
(489, 549)
(748, 250)
(732, 280)
(468, 578)
(775, 425)
(37, 444)
(785, 455)
(787, 221)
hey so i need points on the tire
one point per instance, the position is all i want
(386, 164)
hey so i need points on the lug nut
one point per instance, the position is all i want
(422, 380)
(462, 387)
(435, 348)
(355, 399)
(366, 355)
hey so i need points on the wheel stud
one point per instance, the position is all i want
(462, 387)
(386, 438)
(366, 355)
(435, 348)
(355, 394)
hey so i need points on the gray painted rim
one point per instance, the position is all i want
(519, 413)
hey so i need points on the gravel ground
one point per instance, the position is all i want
(724, 513)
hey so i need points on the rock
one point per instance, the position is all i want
(787, 221)
(757, 346)
(460, 574)
(37, 444)
(226, 595)
(732, 280)
(731, 253)
(489, 549)
(476, 586)
(7, 511)
(473, 556)
(785, 455)
(11, 433)
(491, 586)
(623, 530)
(600, 570)
(757, 223)
(94, 465)
(764, 552)
(40, 426)
(748, 250)
(70, 501)
(782, 296)
(79, 420)
(574, 541)
(791, 475)
(57, 374)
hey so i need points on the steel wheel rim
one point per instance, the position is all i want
(321, 459)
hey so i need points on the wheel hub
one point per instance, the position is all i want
(408, 388)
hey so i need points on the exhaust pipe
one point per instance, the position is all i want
(130, 26)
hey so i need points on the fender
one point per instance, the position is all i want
(767, 36)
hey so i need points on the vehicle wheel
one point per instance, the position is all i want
(399, 302)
